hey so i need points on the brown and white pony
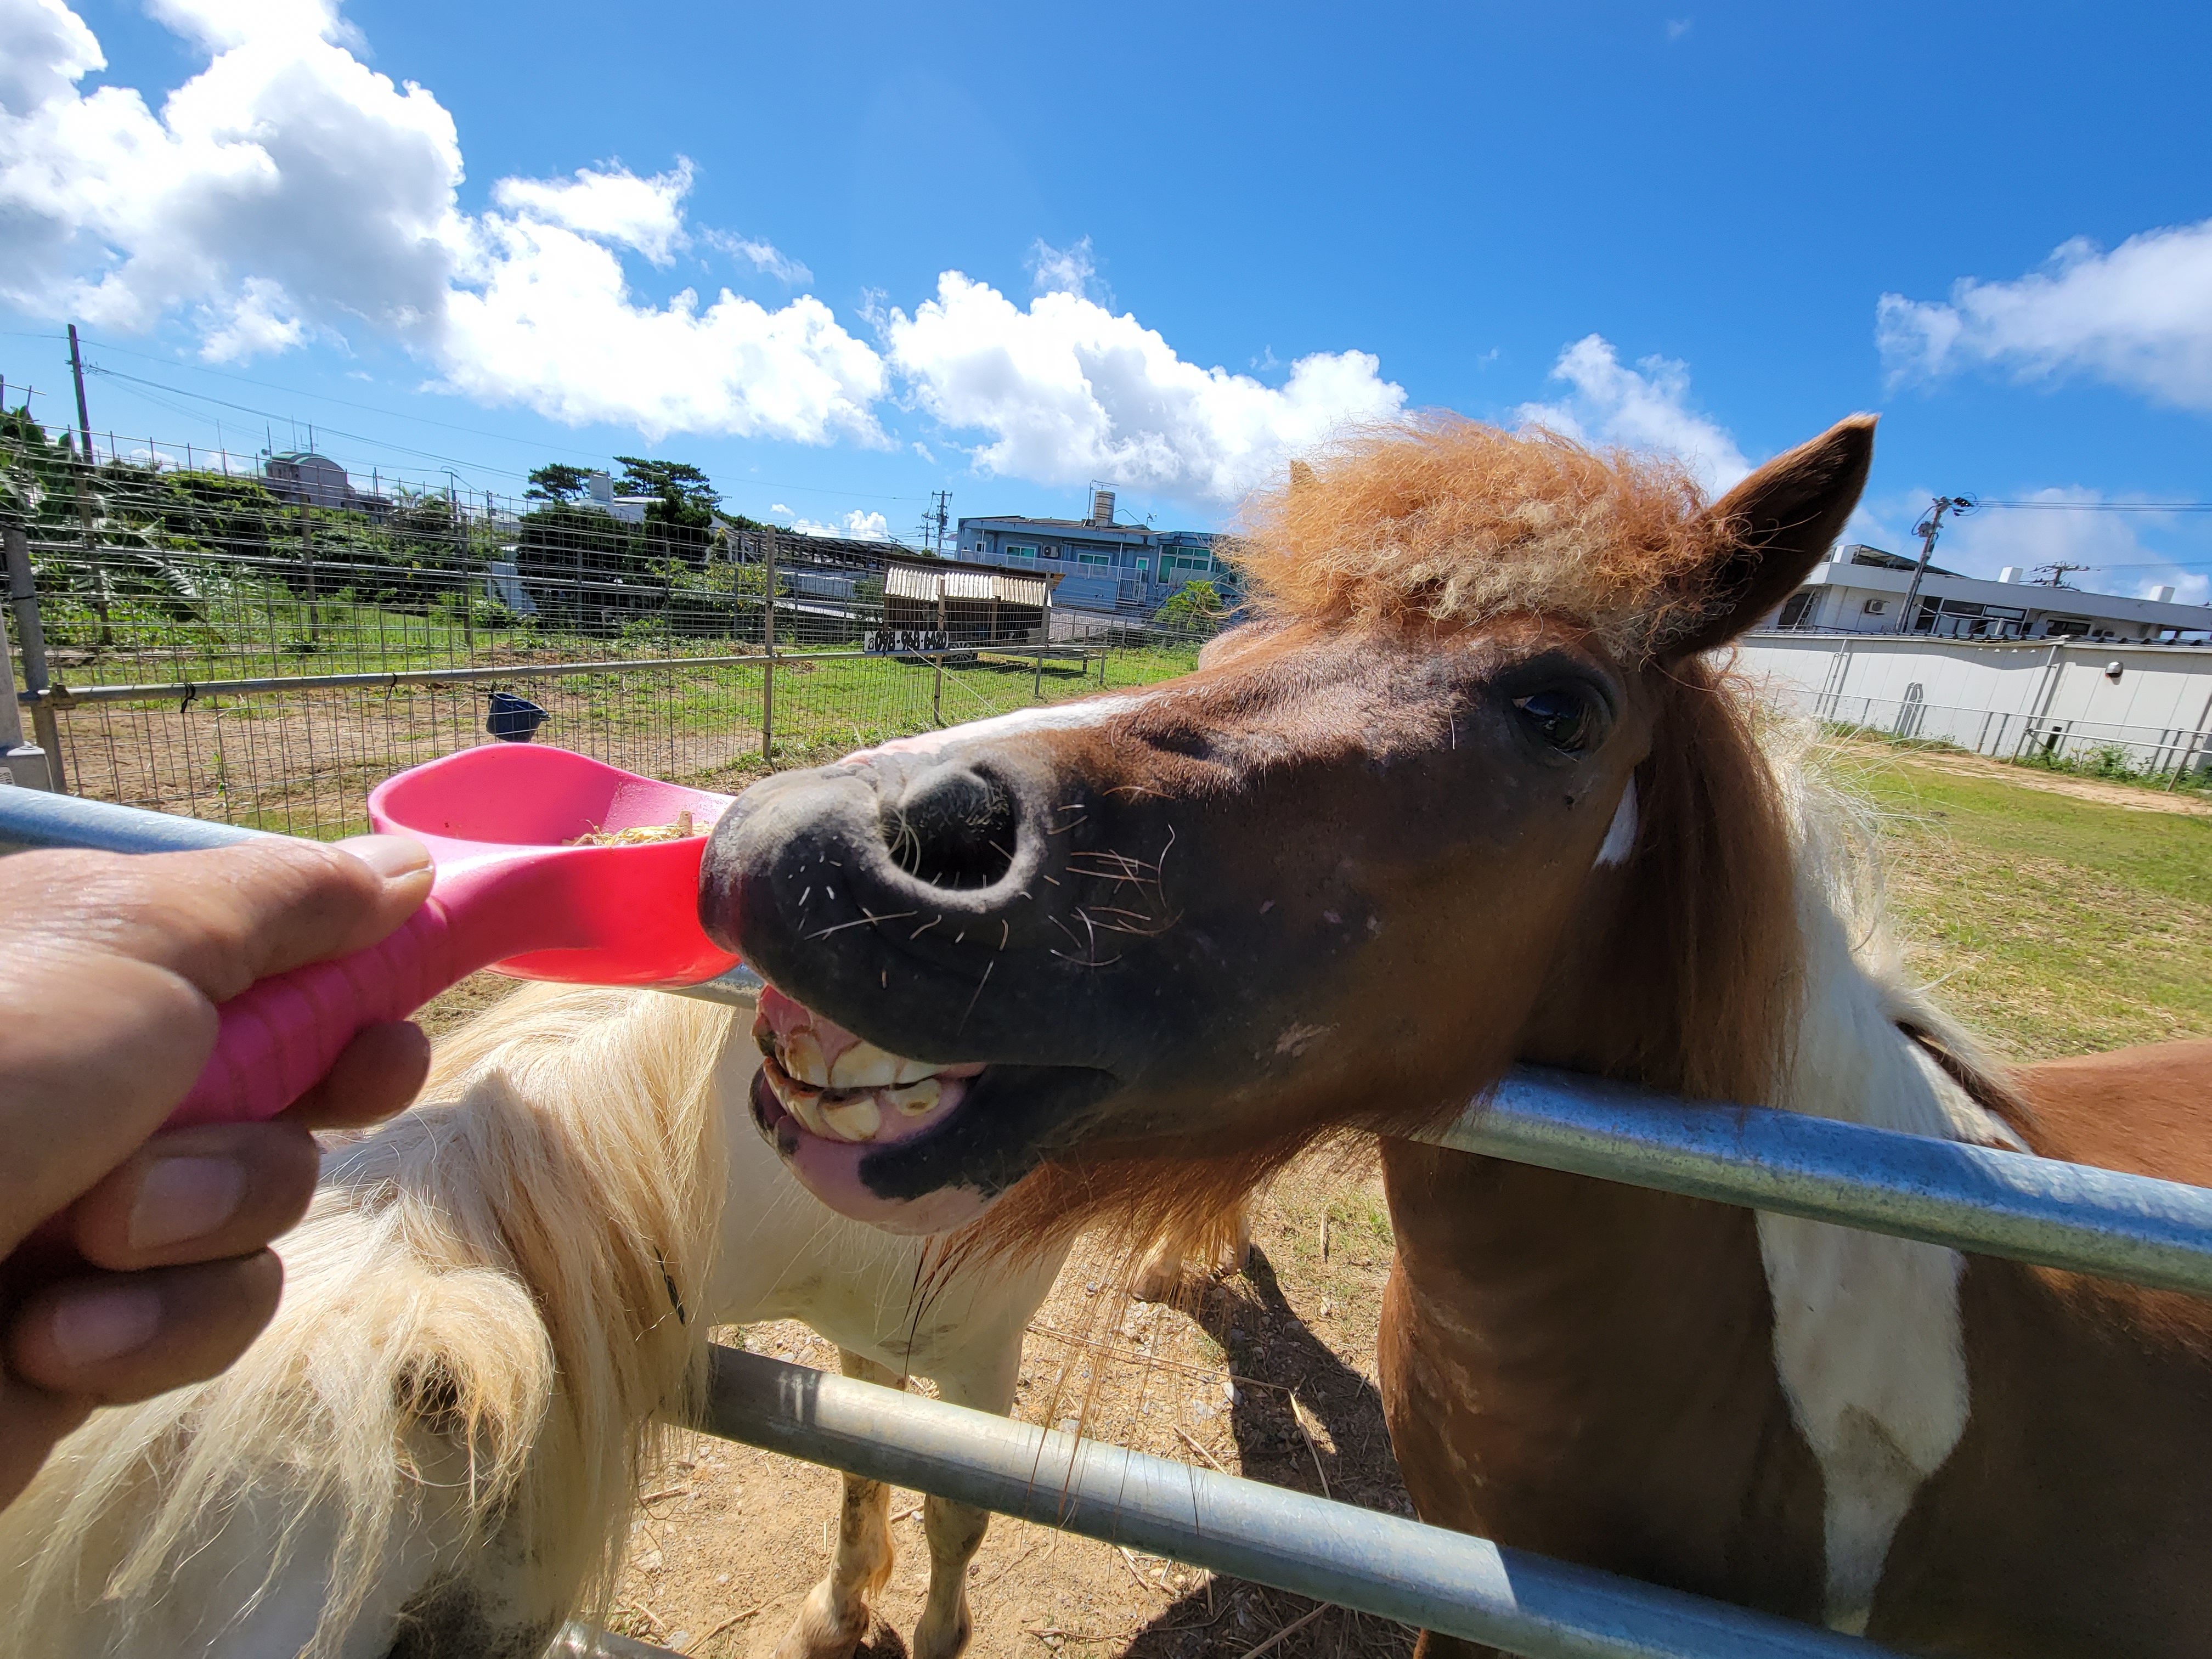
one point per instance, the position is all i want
(1471, 791)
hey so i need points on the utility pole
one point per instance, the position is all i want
(1927, 529)
(2058, 572)
(83, 418)
(934, 520)
(767, 633)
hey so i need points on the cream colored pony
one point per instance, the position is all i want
(491, 1307)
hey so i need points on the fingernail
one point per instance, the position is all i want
(91, 1325)
(390, 856)
(181, 1197)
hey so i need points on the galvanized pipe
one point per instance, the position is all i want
(1381, 1564)
(1972, 1198)
(185, 690)
(34, 818)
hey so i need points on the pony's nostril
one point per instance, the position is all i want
(955, 827)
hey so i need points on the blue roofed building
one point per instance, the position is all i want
(1109, 571)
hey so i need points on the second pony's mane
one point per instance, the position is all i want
(490, 1287)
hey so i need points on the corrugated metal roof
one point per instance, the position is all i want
(970, 585)
(906, 582)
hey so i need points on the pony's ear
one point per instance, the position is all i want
(1772, 528)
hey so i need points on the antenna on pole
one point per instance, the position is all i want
(1928, 530)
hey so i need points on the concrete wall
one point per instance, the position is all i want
(1998, 699)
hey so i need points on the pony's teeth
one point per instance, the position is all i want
(864, 1066)
(913, 1071)
(917, 1099)
(802, 1058)
(857, 1118)
(801, 1101)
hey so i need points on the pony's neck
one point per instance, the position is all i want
(1658, 973)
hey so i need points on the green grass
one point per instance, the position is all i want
(2053, 925)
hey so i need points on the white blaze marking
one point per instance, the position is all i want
(1621, 834)
(1062, 717)
(1868, 1341)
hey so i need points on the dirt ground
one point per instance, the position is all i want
(1268, 1373)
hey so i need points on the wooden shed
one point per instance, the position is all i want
(940, 604)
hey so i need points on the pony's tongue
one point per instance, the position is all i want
(826, 1097)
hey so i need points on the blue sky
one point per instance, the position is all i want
(1005, 252)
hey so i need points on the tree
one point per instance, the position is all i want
(680, 521)
(679, 479)
(557, 481)
(1193, 608)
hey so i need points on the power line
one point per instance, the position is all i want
(2102, 506)
(412, 420)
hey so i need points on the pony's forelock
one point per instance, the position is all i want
(1446, 520)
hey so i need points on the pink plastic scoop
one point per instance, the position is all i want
(508, 891)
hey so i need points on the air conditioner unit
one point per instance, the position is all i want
(1875, 607)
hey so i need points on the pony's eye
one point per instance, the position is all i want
(1563, 717)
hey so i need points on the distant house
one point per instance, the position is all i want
(599, 492)
(1106, 570)
(1863, 589)
(301, 477)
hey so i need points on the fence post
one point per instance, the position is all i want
(936, 690)
(31, 638)
(307, 560)
(768, 630)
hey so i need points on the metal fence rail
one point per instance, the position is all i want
(1376, 1562)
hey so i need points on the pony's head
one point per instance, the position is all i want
(1464, 792)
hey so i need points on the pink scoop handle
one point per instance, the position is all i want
(280, 1035)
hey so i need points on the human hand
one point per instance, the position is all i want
(156, 1270)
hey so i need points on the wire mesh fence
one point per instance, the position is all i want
(264, 648)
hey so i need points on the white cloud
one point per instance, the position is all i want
(544, 317)
(1067, 271)
(287, 190)
(287, 193)
(1647, 407)
(2139, 316)
(856, 526)
(616, 206)
(1068, 391)
(761, 255)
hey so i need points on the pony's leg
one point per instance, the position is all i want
(955, 1531)
(1222, 1241)
(836, 1615)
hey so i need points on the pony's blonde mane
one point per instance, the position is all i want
(484, 1311)
(1448, 519)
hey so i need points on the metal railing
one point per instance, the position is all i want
(1972, 1198)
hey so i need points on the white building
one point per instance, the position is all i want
(2065, 697)
(1862, 590)
(599, 490)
